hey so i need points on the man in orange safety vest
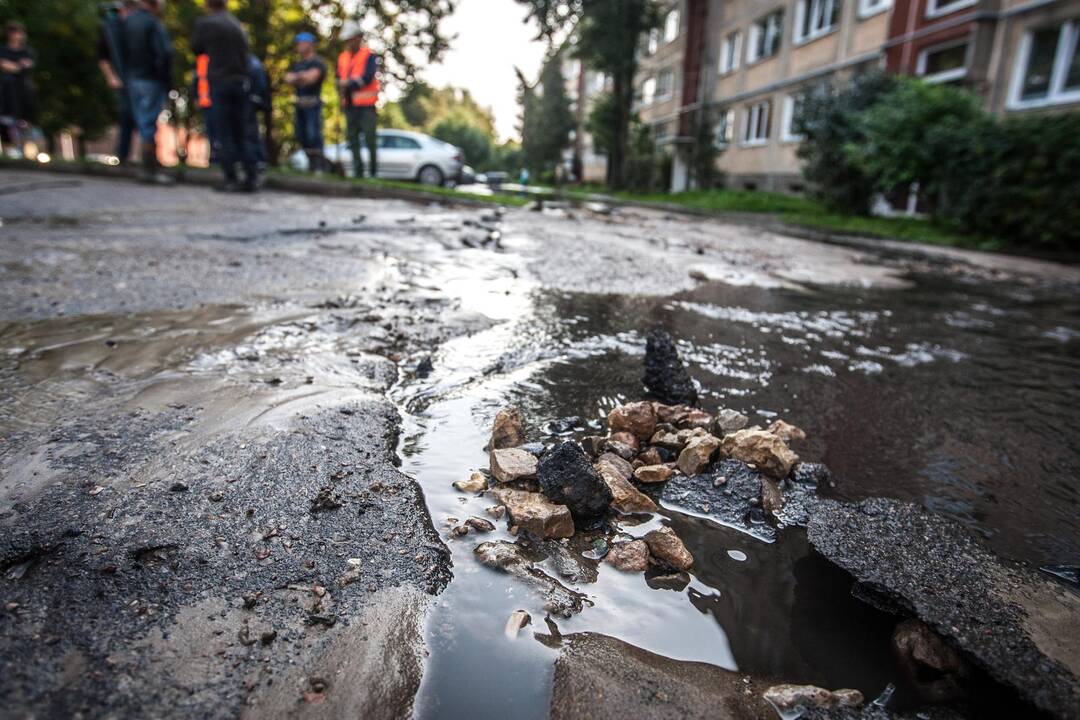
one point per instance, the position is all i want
(358, 86)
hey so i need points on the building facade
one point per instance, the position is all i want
(745, 64)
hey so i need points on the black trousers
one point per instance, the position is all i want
(361, 121)
(231, 109)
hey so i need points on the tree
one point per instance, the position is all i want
(458, 131)
(608, 34)
(548, 119)
(601, 123)
(70, 90)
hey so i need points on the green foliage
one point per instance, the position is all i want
(70, 89)
(546, 119)
(458, 131)
(647, 169)
(601, 123)
(704, 151)
(607, 37)
(828, 121)
(505, 157)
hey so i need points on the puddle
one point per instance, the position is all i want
(943, 393)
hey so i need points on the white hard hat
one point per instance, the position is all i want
(351, 29)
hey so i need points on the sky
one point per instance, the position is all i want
(490, 41)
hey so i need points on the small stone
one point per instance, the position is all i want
(616, 464)
(480, 524)
(765, 451)
(697, 419)
(786, 432)
(671, 414)
(772, 502)
(475, 484)
(667, 548)
(508, 430)
(638, 419)
(653, 474)
(651, 457)
(460, 531)
(179, 486)
(625, 497)
(217, 496)
(791, 698)
(566, 476)
(268, 637)
(665, 375)
(667, 440)
(628, 439)
(629, 556)
(533, 512)
(697, 454)
(729, 421)
(593, 445)
(621, 449)
(496, 511)
(515, 622)
(512, 464)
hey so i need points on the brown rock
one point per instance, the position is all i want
(617, 464)
(697, 454)
(638, 418)
(508, 431)
(632, 556)
(765, 451)
(625, 438)
(624, 497)
(650, 457)
(935, 669)
(790, 698)
(671, 414)
(480, 524)
(667, 440)
(593, 445)
(533, 512)
(786, 432)
(511, 464)
(621, 449)
(771, 499)
(653, 474)
(668, 549)
(697, 419)
(476, 483)
(729, 421)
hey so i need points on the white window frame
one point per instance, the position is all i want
(1056, 94)
(648, 91)
(730, 52)
(664, 96)
(821, 8)
(725, 130)
(786, 134)
(672, 26)
(870, 8)
(756, 29)
(945, 75)
(937, 8)
(752, 119)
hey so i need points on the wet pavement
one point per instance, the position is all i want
(279, 357)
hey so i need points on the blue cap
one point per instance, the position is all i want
(305, 37)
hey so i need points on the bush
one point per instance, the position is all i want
(474, 143)
(828, 121)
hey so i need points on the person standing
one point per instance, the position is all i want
(111, 64)
(18, 106)
(220, 36)
(358, 85)
(307, 75)
(147, 53)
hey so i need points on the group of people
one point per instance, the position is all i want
(231, 87)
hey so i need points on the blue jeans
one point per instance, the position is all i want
(309, 125)
(147, 101)
(231, 108)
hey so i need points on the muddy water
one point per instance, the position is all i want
(956, 394)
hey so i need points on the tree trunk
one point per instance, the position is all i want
(624, 98)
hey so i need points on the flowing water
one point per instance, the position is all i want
(957, 394)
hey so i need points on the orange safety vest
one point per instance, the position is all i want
(202, 72)
(351, 67)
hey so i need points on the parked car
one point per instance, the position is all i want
(403, 155)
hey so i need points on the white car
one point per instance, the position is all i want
(403, 155)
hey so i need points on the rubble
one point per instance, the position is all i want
(637, 419)
(765, 451)
(729, 421)
(512, 464)
(567, 477)
(786, 432)
(476, 483)
(630, 556)
(697, 454)
(666, 547)
(651, 474)
(534, 513)
(624, 496)
(508, 430)
(665, 376)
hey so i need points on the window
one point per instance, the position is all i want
(654, 41)
(792, 108)
(648, 91)
(662, 132)
(756, 125)
(1048, 67)
(730, 50)
(935, 8)
(396, 142)
(873, 7)
(671, 26)
(664, 84)
(765, 36)
(814, 18)
(725, 129)
(943, 63)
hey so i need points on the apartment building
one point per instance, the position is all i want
(583, 87)
(746, 64)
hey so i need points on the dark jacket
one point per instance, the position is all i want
(147, 48)
(221, 36)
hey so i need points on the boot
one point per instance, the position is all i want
(151, 173)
